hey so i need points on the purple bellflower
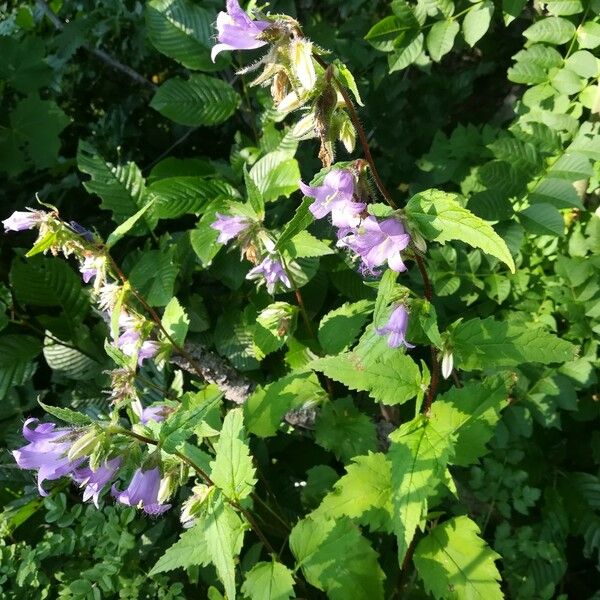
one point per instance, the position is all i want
(142, 492)
(229, 227)
(94, 481)
(237, 31)
(272, 270)
(395, 328)
(156, 413)
(91, 267)
(148, 349)
(46, 452)
(21, 220)
(377, 242)
(335, 196)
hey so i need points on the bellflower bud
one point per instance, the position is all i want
(302, 63)
(396, 328)
(447, 364)
(22, 220)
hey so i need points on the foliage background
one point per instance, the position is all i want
(461, 123)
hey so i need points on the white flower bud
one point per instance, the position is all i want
(165, 489)
(302, 63)
(447, 364)
(419, 242)
(84, 446)
(347, 135)
(305, 128)
(292, 101)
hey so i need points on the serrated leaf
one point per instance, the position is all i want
(440, 38)
(394, 381)
(340, 327)
(16, 355)
(481, 343)
(337, 559)
(438, 216)
(183, 31)
(269, 581)
(178, 196)
(344, 430)
(275, 175)
(66, 414)
(232, 469)
(454, 557)
(551, 30)
(23, 63)
(365, 486)
(477, 21)
(306, 245)
(299, 222)
(265, 408)
(121, 188)
(224, 533)
(189, 550)
(198, 101)
(176, 321)
(126, 226)
(70, 362)
(418, 454)
(557, 192)
(153, 275)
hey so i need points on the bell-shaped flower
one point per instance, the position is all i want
(142, 492)
(148, 349)
(335, 197)
(229, 227)
(396, 327)
(272, 271)
(94, 481)
(46, 452)
(237, 31)
(377, 242)
(22, 220)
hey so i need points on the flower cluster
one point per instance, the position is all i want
(60, 452)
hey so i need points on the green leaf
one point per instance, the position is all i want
(438, 216)
(16, 355)
(299, 222)
(42, 281)
(564, 7)
(180, 425)
(305, 245)
(153, 275)
(232, 469)
(588, 35)
(557, 192)
(126, 226)
(477, 21)
(572, 166)
(470, 413)
(340, 327)
(365, 486)
(344, 430)
(224, 534)
(178, 196)
(440, 38)
(255, 198)
(337, 559)
(275, 175)
(482, 343)
(390, 31)
(189, 550)
(70, 362)
(23, 64)
(121, 188)
(176, 321)
(182, 30)
(199, 100)
(269, 581)
(66, 414)
(551, 30)
(406, 55)
(394, 381)
(454, 557)
(419, 454)
(265, 408)
(542, 219)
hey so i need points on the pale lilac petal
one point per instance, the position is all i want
(22, 220)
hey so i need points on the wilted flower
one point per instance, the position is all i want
(396, 328)
(237, 31)
(142, 492)
(46, 452)
(377, 242)
(229, 227)
(335, 196)
(94, 481)
(93, 267)
(108, 294)
(82, 231)
(22, 220)
(272, 270)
